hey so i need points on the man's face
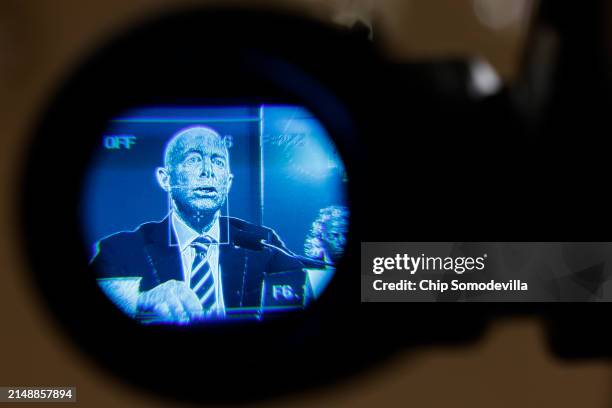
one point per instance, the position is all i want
(334, 237)
(198, 170)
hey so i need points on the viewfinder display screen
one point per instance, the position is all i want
(202, 214)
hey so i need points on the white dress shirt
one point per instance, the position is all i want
(185, 236)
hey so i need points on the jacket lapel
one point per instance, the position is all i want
(163, 255)
(233, 266)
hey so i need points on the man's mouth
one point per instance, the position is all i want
(206, 191)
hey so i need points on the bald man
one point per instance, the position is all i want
(188, 267)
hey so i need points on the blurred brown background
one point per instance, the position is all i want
(40, 40)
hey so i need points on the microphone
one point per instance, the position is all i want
(257, 242)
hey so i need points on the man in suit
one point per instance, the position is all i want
(194, 264)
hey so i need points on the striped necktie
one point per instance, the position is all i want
(202, 282)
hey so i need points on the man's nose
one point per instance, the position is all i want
(207, 168)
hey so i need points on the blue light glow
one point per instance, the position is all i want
(281, 159)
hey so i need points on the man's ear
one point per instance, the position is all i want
(230, 178)
(163, 178)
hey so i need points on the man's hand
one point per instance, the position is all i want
(171, 301)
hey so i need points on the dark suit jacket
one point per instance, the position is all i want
(146, 252)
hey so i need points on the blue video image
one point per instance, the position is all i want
(208, 214)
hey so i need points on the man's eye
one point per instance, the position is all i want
(193, 159)
(219, 162)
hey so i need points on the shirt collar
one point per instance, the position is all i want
(185, 234)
